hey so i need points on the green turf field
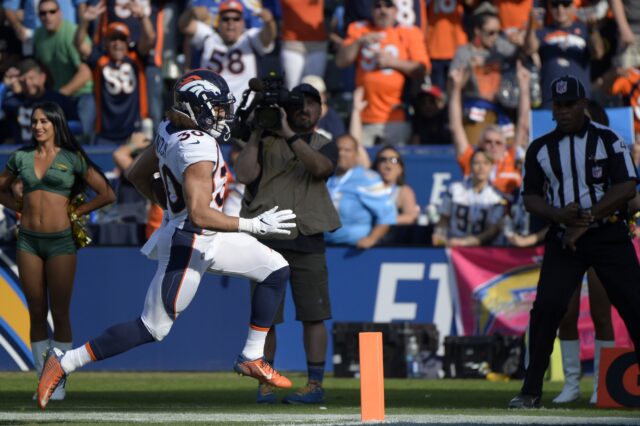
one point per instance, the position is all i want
(230, 397)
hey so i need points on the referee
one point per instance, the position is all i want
(579, 177)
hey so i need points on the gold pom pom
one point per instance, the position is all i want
(78, 223)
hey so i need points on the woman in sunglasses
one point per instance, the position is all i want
(388, 163)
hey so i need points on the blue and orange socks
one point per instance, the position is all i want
(120, 338)
(254, 345)
(113, 341)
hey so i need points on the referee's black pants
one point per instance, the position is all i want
(609, 250)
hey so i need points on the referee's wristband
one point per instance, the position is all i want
(292, 139)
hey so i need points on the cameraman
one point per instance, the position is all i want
(288, 167)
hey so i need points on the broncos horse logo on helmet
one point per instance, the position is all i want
(204, 97)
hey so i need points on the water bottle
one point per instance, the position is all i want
(433, 216)
(536, 90)
(423, 219)
(413, 361)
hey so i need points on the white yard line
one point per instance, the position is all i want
(305, 419)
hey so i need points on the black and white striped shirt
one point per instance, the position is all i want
(577, 168)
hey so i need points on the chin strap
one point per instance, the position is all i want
(224, 133)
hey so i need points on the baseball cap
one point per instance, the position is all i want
(309, 90)
(316, 81)
(230, 6)
(117, 28)
(567, 88)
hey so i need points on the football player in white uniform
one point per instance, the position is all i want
(472, 209)
(196, 237)
(231, 50)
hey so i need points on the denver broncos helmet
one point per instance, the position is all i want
(204, 97)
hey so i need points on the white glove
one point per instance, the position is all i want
(269, 222)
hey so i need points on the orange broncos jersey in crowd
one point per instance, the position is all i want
(444, 28)
(513, 13)
(628, 85)
(383, 87)
(505, 175)
(303, 20)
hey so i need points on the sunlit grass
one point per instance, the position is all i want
(206, 392)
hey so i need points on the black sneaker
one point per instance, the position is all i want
(525, 401)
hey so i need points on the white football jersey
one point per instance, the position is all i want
(176, 150)
(236, 63)
(470, 212)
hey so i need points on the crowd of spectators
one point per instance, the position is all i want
(391, 73)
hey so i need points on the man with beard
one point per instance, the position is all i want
(580, 177)
(288, 167)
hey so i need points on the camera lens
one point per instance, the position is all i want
(268, 118)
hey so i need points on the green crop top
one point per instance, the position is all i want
(59, 177)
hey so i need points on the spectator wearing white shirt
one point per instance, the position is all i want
(231, 50)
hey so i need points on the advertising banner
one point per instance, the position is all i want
(496, 289)
(466, 291)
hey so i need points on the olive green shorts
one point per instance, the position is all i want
(46, 245)
(309, 286)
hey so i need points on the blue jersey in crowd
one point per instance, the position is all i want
(362, 201)
(121, 94)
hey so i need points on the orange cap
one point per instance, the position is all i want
(230, 6)
(117, 28)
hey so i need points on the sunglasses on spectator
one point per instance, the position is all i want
(48, 12)
(231, 19)
(379, 4)
(565, 4)
(497, 142)
(392, 160)
(490, 33)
